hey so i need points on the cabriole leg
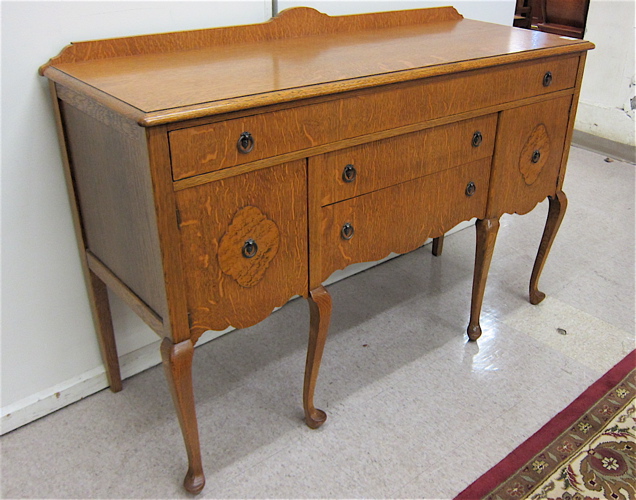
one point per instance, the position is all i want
(177, 363)
(558, 204)
(486, 237)
(320, 315)
(98, 295)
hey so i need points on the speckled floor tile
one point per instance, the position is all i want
(587, 339)
(605, 291)
(414, 410)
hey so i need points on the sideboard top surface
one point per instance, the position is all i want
(189, 81)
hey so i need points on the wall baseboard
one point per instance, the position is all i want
(606, 147)
(57, 397)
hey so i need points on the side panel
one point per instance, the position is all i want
(110, 169)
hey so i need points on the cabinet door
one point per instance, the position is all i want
(244, 246)
(528, 153)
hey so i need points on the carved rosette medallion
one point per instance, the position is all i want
(534, 154)
(248, 247)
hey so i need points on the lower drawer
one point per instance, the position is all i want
(399, 218)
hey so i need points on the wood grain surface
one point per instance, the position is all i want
(319, 317)
(115, 194)
(556, 212)
(212, 147)
(176, 320)
(534, 154)
(129, 297)
(217, 300)
(249, 226)
(517, 184)
(166, 81)
(337, 145)
(572, 119)
(290, 23)
(177, 364)
(385, 163)
(195, 234)
(399, 218)
(95, 287)
(485, 245)
(186, 75)
(100, 306)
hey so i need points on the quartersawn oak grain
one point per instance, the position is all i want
(115, 196)
(168, 86)
(248, 246)
(381, 164)
(176, 320)
(428, 207)
(169, 214)
(207, 148)
(217, 300)
(225, 173)
(517, 184)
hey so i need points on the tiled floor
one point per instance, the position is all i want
(415, 411)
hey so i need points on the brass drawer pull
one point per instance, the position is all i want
(477, 138)
(471, 188)
(347, 231)
(245, 143)
(349, 173)
(547, 79)
(250, 248)
(536, 156)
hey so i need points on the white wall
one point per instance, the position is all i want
(493, 11)
(605, 109)
(48, 342)
(49, 354)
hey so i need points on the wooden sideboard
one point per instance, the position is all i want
(215, 174)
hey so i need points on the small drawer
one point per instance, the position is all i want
(228, 143)
(399, 218)
(215, 146)
(355, 171)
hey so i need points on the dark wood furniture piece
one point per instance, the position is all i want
(561, 17)
(214, 174)
(523, 14)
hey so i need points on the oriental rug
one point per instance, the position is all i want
(586, 452)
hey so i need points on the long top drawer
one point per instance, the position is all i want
(215, 146)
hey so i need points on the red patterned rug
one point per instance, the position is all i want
(586, 452)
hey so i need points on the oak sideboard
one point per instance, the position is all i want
(214, 174)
